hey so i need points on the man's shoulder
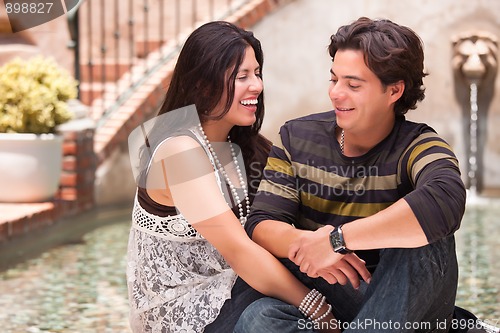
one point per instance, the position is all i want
(327, 117)
(309, 130)
(412, 134)
(416, 129)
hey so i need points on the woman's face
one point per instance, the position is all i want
(247, 88)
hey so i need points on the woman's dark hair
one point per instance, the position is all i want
(391, 51)
(206, 68)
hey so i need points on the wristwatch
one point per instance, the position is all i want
(337, 241)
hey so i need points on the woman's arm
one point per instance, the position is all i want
(196, 194)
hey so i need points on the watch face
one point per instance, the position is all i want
(335, 241)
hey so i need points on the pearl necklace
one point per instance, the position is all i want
(342, 141)
(220, 167)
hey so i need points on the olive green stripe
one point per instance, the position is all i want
(280, 146)
(278, 189)
(341, 208)
(412, 145)
(278, 165)
(332, 179)
(424, 161)
(418, 150)
(422, 147)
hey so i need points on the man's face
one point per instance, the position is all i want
(362, 104)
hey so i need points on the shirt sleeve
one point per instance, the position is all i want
(438, 198)
(277, 197)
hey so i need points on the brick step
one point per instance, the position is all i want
(110, 70)
(145, 47)
(91, 92)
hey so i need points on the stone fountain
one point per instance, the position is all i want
(475, 68)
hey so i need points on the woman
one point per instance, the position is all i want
(182, 276)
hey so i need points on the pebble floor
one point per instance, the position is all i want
(81, 287)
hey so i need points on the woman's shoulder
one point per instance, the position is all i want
(177, 144)
(181, 140)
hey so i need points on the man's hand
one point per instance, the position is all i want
(349, 268)
(315, 256)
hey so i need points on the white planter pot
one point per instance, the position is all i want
(30, 166)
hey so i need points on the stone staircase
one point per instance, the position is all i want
(88, 148)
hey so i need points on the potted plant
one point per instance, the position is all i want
(33, 96)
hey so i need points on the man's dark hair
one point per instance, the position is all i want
(391, 51)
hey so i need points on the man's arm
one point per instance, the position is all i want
(276, 237)
(431, 211)
(395, 226)
(273, 213)
(276, 203)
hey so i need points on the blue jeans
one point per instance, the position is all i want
(412, 290)
(242, 295)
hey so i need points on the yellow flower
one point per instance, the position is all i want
(33, 95)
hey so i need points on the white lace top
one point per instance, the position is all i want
(177, 280)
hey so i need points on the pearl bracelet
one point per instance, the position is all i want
(318, 308)
(307, 300)
(311, 306)
(323, 315)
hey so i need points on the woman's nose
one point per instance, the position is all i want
(256, 85)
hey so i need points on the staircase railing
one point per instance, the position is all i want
(118, 44)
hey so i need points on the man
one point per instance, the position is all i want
(362, 178)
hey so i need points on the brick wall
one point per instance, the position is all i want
(146, 100)
(76, 190)
(85, 147)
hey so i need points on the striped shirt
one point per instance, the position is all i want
(309, 183)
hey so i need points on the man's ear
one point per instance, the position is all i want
(396, 90)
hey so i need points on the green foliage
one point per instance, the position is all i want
(33, 96)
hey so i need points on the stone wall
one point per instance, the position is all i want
(297, 63)
(114, 179)
(294, 40)
(50, 39)
(76, 189)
